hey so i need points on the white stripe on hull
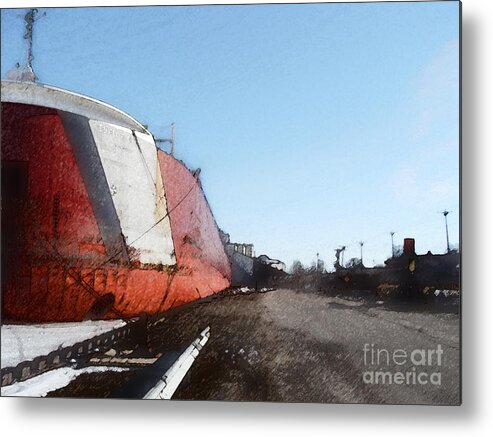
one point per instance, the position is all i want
(132, 171)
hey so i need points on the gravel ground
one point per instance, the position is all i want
(295, 346)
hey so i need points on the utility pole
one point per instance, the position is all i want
(361, 251)
(392, 239)
(343, 249)
(445, 214)
(316, 266)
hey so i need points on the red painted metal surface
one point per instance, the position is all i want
(204, 265)
(54, 263)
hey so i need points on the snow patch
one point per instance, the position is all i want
(447, 293)
(26, 342)
(45, 383)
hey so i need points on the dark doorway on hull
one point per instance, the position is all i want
(14, 198)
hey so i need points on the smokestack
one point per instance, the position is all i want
(409, 247)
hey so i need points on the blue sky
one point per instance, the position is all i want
(315, 126)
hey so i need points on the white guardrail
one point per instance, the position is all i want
(170, 381)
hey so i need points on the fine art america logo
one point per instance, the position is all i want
(401, 367)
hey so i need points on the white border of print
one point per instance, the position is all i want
(94, 417)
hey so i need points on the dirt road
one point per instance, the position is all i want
(294, 346)
(297, 346)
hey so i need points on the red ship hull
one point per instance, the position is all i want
(58, 263)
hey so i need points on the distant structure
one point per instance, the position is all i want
(409, 247)
(445, 214)
(406, 274)
(248, 270)
(274, 263)
(392, 240)
(243, 248)
(339, 262)
(428, 268)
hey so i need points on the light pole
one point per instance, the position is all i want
(445, 214)
(392, 239)
(361, 251)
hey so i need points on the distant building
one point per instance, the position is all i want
(409, 258)
(248, 270)
(244, 249)
(439, 270)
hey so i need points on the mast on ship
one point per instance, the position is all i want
(26, 74)
(170, 140)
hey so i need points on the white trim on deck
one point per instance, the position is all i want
(37, 94)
